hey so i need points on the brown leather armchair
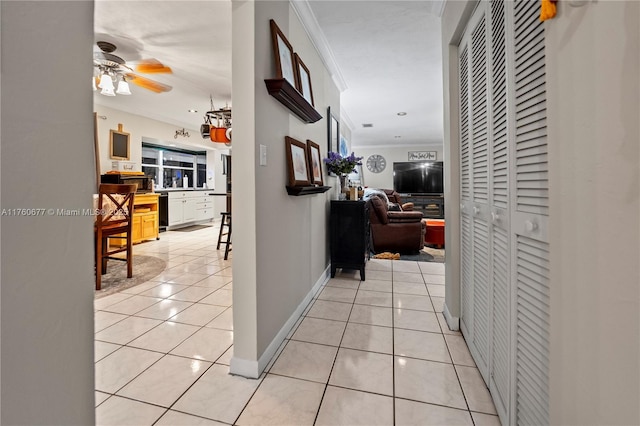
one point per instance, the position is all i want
(394, 197)
(395, 231)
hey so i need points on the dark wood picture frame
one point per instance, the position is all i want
(297, 162)
(315, 163)
(119, 144)
(333, 132)
(304, 80)
(284, 55)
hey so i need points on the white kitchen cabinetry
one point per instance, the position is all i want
(189, 206)
(204, 207)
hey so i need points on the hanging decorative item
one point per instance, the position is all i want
(547, 9)
(219, 131)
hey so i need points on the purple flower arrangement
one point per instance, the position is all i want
(340, 165)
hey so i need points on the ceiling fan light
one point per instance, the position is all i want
(123, 88)
(108, 91)
(106, 82)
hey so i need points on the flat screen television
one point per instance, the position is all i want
(419, 177)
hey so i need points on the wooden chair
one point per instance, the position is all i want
(113, 220)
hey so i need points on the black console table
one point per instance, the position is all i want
(349, 236)
(431, 206)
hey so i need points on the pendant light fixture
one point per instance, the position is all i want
(123, 87)
(106, 84)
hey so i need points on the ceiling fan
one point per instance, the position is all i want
(110, 68)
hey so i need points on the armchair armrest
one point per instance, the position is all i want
(410, 216)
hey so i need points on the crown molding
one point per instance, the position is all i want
(312, 27)
(417, 146)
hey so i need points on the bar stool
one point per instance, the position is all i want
(226, 221)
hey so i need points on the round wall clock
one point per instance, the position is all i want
(376, 163)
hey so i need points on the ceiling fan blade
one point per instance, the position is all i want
(148, 84)
(149, 66)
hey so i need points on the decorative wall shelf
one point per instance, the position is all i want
(289, 96)
(306, 190)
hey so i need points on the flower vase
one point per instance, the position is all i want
(342, 195)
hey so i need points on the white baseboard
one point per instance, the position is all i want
(452, 322)
(252, 369)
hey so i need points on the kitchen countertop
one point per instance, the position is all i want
(183, 189)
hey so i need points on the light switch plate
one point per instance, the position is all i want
(263, 155)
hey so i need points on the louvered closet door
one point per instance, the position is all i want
(501, 110)
(466, 246)
(504, 206)
(475, 205)
(530, 243)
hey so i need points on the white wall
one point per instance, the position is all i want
(593, 100)
(47, 277)
(285, 237)
(139, 127)
(384, 179)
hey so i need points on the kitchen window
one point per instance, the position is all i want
(169, 166)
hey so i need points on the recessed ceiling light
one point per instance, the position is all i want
(402, 114)
(193, 111)
(367, 125)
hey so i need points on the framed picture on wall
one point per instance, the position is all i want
(315, 162)
(283, 53)
(333, 131)
(297, 162)
(344, 146)
(304, 80)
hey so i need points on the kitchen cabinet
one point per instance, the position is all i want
(144, 221)
(189, 206)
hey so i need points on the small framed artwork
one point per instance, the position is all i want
(344, 146)
(313, 152)
(297, 162)
(333, 131)
(422, 155)
(304, 80)
(283, 53)
(119, 144)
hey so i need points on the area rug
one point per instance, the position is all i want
(427, 254)
(115, 280)
(192, 228)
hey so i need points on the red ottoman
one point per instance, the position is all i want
(435, 232)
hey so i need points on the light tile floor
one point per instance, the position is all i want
(376, 352)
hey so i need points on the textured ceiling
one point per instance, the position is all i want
(390, 57)
(388, 53)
